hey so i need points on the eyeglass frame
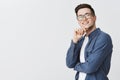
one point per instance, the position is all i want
(86, 15)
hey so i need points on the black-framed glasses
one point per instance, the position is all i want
(86, 15)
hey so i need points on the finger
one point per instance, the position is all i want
(75, 32)
(84, 29)
(81, 31)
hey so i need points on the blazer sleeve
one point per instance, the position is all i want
(73, 54)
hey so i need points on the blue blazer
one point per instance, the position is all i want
(97, 53)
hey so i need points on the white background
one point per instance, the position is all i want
(35, 36)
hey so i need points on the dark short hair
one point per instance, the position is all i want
(80, 6)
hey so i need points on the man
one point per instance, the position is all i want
(92, 60)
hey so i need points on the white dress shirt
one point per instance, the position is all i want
(82, 58)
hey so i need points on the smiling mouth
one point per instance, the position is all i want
(85, 23)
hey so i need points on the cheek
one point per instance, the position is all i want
(79, 23)
(91, 21)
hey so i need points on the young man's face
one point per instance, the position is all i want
(85, 18)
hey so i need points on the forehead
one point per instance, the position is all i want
(83, 11)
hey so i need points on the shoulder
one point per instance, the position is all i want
(103, 36)
(103, 41)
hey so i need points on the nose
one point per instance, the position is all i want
(83, 20)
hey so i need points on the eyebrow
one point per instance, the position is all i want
(84, 14)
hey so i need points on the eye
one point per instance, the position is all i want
(87, 14)
(80, 17)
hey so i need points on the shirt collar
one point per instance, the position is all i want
(94, 33)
